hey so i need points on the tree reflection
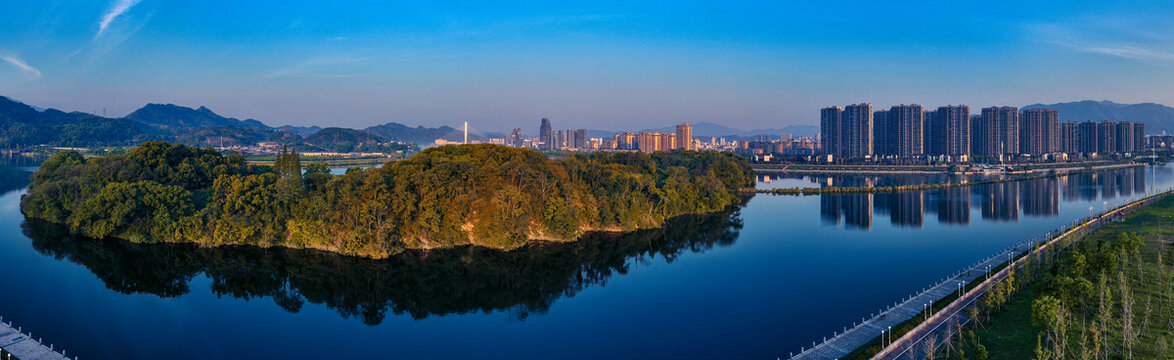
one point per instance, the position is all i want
(418, 283)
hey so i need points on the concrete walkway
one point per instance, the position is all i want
(23, 347)
(842, 344)
(905, 347)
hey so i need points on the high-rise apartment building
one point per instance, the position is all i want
(1037, 131)
(1125, 137)
(933, 131)
(947, 130)
(1088, 137)
(998, 131)
(685, 137)
(830, 130)
(857, 131)
(1107, 136)
(626, 141)
(1139, 142)
(1069, 138)
(977, 139)
(546, 135)
(908, 122)
(650, 142)
(881, 143)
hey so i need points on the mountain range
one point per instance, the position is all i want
(24, 125)
(1158, 118)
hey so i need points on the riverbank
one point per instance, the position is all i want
(1009, 333)
(884, 189)
(919, 336)
(928, 169)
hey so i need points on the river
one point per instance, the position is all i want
(760, 281)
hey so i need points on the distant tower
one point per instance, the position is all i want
(466, 132)
(546, 135)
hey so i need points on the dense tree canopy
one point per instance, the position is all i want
(484, 195)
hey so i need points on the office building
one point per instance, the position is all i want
(546, 135)
(580, 140)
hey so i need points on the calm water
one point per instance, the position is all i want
(755, 283)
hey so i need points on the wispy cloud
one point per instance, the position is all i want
(1131, 52)
(120, 7)
(15, 61)
(1122, 37)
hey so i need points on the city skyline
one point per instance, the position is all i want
(605, 65)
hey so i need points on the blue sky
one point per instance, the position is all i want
(596, 64)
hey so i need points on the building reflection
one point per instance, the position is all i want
(1040, 197)
(854, 209)
(998, 202)
(953, 206)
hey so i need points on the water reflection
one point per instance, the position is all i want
(16, 173)
(999, 202)
(422, 284)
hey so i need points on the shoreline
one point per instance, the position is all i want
(607, 231)
(847, 169)
(796, 191)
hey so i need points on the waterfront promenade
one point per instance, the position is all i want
(905, 346)
(841, 344)
(910, 346)
(24, 347)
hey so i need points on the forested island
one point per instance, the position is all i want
(483, 195)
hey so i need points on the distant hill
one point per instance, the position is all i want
(174, 117)
(336, 139)
(403, 133)
(337, 135)
(1157, 117)
(23, 125)
(233, 136)
(425, 135)
(302, 131)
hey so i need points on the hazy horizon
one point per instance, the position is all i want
(606, 66)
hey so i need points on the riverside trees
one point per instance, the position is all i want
(485, 195)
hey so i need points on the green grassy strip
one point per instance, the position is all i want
(1010, 334)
